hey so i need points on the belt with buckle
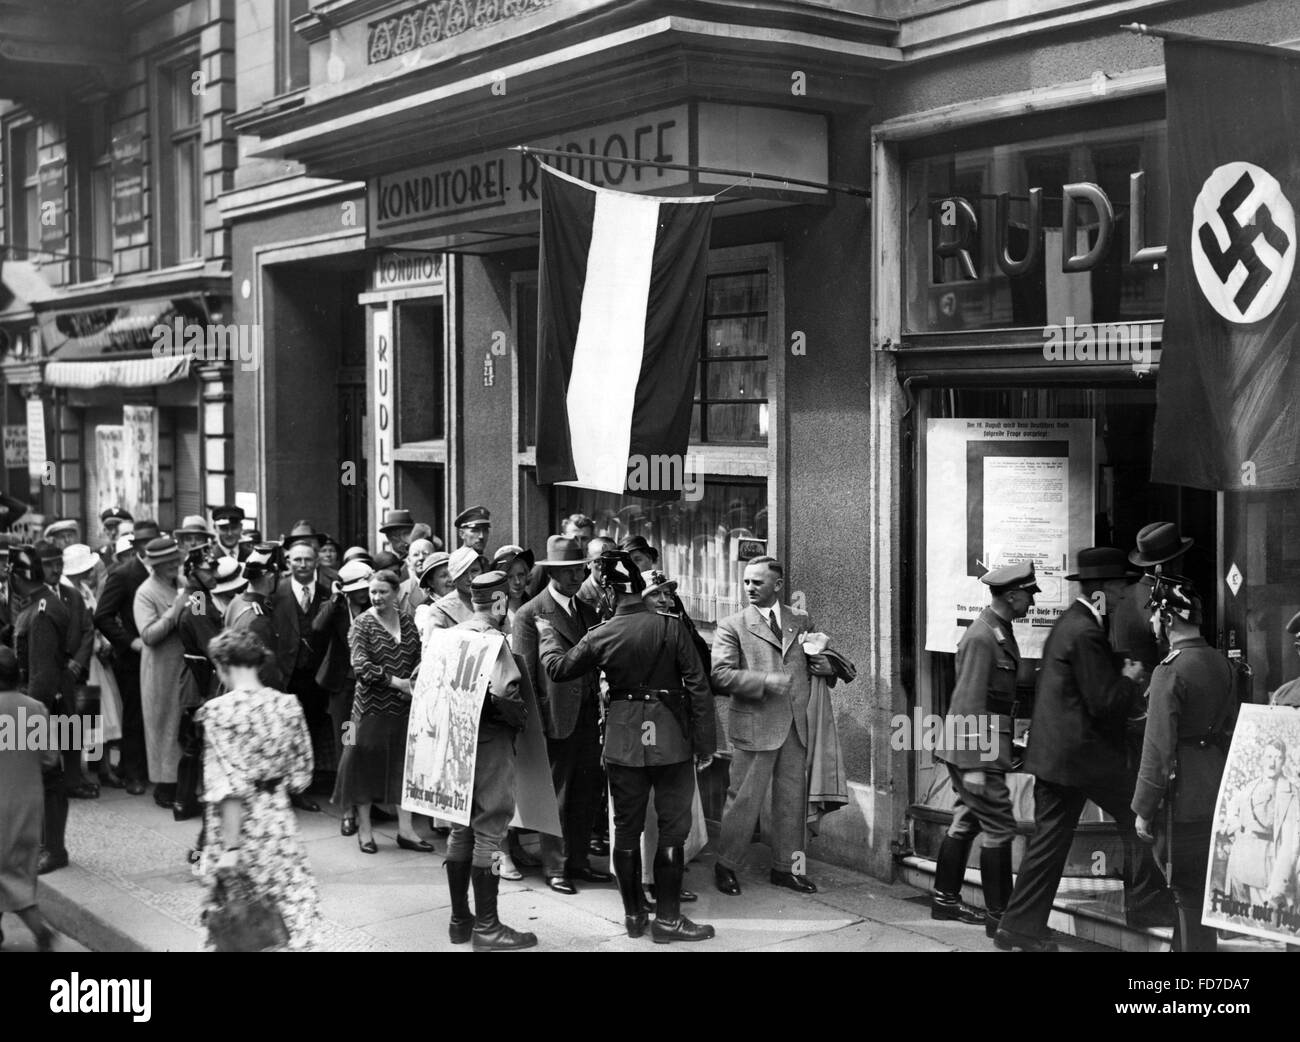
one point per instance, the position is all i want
(643, 694)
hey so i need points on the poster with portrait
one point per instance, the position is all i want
(1252, 883)
(110, 467)
(140, 460)
(999, 491)
(442, 736)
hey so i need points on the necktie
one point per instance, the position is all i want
(774, 625)
(306, 600)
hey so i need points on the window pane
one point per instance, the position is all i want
(734, 294)
(188, 186)
(736, 336)
(743, 423)
(696, 540)
(28, 148)
(185, 102)
(737, 380)
(101, 216)
(32, 222)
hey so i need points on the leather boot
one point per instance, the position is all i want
(490, 933)
(995, 875)
(462, 919)
(56, 820)
(670, 924)
(949, 873)
(627, 870)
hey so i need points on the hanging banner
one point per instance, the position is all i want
(140, 460)
(1252, 883)
(1000, 491)
(110, 467)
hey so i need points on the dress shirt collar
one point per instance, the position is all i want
(1092, 608)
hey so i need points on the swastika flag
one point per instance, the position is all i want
(1228, 398)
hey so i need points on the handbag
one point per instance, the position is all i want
(239, 920)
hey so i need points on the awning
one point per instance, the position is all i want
(129, 372)
(121, 330)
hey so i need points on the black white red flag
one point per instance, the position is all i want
(620, 309)
(1228, 399)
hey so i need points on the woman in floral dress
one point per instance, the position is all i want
(256, 751)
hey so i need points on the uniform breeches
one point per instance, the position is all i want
(629, 789)
(493, 803)
(989, 812)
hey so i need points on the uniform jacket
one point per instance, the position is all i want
(1287, 695)
(252, 611)
(1191, 694)
(449, 610)
(745, 654)
(303, 638)
(41, 646)
(558, 701)
(81, 627)
(199, 622)
(115, 612)
(640, 648)
(1264, 819)
(979, 717)
(1077, 733)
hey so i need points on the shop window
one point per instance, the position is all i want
(24, 189)
(179, 208)
(731, 404)
(291, 69)
(420, 376)
(93, 165)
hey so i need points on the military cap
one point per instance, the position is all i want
(115, 514)
(1293, 625)
(47, 551)
(222, 515)
(483, 589)
(65, 524)
(1019, 575)
(473, 517)
(25, 564)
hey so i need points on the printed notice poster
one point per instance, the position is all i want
(442, 736)
(140, 460)
(1000, 491)
(110, 467)
(1252, 884)
(15, 445)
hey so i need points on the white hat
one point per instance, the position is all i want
(229, 576)
(353, 576)
(460, 560)
(78, 559)
(124, 543)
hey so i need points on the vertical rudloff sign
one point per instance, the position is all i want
(382, 460)
(1228, 413)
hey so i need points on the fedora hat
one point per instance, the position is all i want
(562, 552)
(302, 532)
(1158, 543)
(397, 519)
(1101, 562)
(144, 532)
(229, 576)
(193, 525)
(162, 550)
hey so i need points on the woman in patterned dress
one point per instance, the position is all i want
(256, 751)
(385, 657)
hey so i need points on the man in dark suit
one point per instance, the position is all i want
(570, 715)
(977, 747)
(1077, 750)
(81, 643)
(115, 619)
(758, 660)
(303, 608)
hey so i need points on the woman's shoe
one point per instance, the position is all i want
(348, 826)
(506, 868)
(369, 846)
(419, 844)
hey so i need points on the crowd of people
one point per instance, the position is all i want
(182, 646)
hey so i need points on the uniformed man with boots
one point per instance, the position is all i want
(254, 611)
(977, 747)
(1191, 710)
(474, 849)
(658, 730)
(41, 627)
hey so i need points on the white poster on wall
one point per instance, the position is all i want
(39, 467)
(110, 467)
(140, 460)
(1000, 491)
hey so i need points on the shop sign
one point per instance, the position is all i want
(748, 549)
(398, 269)
(1234, 579)
(382, 457)
(1000, 491)
(128, 182)
(503, 183)
(15, 445)
(36, 454)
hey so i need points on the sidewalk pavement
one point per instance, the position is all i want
(130, 888)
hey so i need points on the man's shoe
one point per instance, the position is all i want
(680, 929)
(799, 884)
(135, 787)
(598, 847)
(301, 801)
(561, 885)
(48, 862)
(636, 924)
(84, 791)
(590, 875)
(726, 880)
(952, 909)
(180, 812)
(1009, 941)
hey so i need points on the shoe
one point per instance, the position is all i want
(462, 919)
(948, 908)
(561, 885)
(164, 795)
(664, 931)
(1009, 941)
(598, 847)
(135, 787)
(506, 868)
(791, 881)
(726, 880)
(182, 813)
(490, 933)
(110, 780)
(419, 844)
(300, 801)
(348, 825)
(369, 847)
(48, 862)
(670, 925)
(590, 875)
(84, 791)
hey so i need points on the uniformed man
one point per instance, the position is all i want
(198, 622)
(41, 628)
(473, 849)
(111, 521)
(474, 525)
(978, 732)
(229, 522)
(658, 729)
(252, 609)
(1289, 693)
(1190, 711)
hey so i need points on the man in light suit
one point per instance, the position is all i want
(570, 714)
(758, 660)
